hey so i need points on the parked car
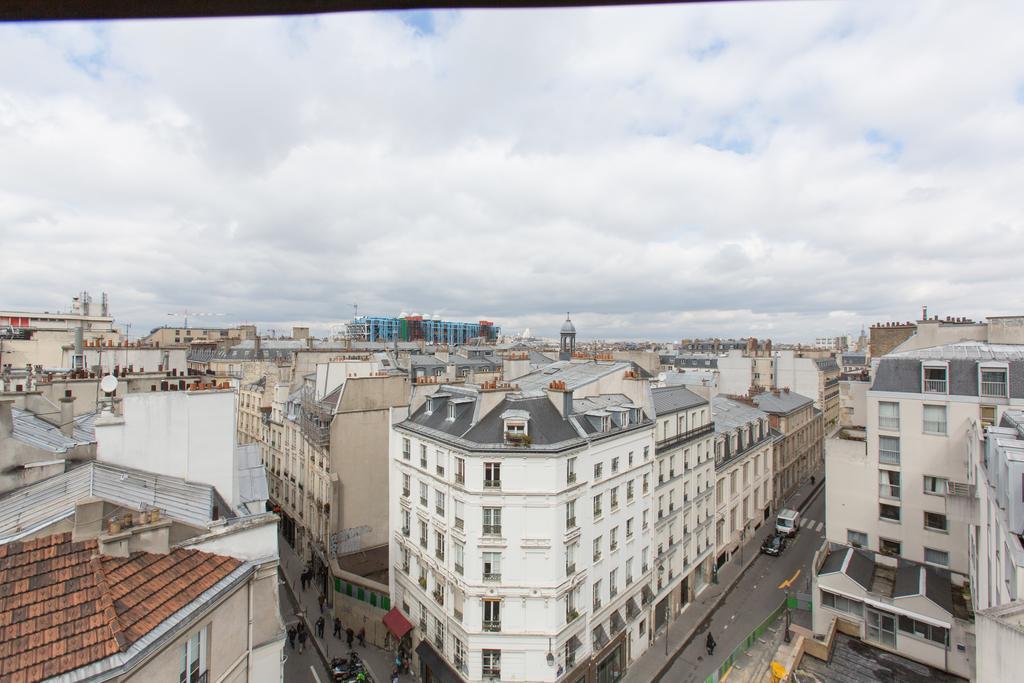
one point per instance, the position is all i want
(774, 545)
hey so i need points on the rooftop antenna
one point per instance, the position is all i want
(355, 311)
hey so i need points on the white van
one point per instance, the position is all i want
(787, 523)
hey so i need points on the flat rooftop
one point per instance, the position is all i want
(854, 661)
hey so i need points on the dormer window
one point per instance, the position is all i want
(516, 423)
(451, 412)
(934, 380)
(430, 405)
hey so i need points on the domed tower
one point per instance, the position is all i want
(568, 340)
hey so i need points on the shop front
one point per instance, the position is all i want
(433, 667)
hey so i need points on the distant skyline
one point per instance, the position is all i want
(782, 170)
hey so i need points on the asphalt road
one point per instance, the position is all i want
(754, 596)
(304, 667)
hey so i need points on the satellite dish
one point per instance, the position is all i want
(108, 384)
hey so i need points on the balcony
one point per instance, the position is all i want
(492, 530)
(405, 531)
(570, 569)
(459, 568)
(439, 510)
(570, 523)
(492, 483)
(460, 479)
(571, 615)
(460, 523)
(993, 389)
(934, 386)
(405, 493)
(492, 576)
(492, 625)
(597, 556)
(438, 597)
(570, 478)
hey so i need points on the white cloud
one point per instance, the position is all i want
(780, 169)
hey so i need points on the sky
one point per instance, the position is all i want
(775, 169)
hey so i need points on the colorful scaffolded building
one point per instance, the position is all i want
(420, 328)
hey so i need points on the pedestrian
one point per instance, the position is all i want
(320, 599)
(302, 641)
(394, 674)
(291, 637)
(349, 634)
(320, 627)
(337, 627)
(812, 480)
(362, 637)
(711, 645)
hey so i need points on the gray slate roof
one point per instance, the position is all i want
(968, 350)
(35, 431)
(673, 399)
(575, 374)
(729, 414)
(786, 402)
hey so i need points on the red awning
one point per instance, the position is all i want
(397, 623)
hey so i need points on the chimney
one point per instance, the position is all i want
(67, 413)
(924, 313)
(134, 532)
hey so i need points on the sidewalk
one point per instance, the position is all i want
(653, 664)
(379, 662)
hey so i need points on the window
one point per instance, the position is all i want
(193, 658)
(597, 506)
(460, 515)
(614, 498)
(492, 615)
(597, 595)
(629, 491)
(570, 471)
(889, 416)
(459, 555)
(598, 470)
(988, 416)
(423, 455)
(460, 471)
(935, 521)
(629, 572)
(439, 463)
(934, 381)
(459, 650)
(439, 545)
(613, 539)
(939, 557)
(720, 491)
(439, 502)
(405, 522)
(451, 412)
(993, 383)
(615, 465)
(647, 452)
(406, 485)
(935, 485)
(889, 450)
(920, 629)
(597, 549)
(629, 460)
(613, 584)
(889, 484)
(492, 566)
(570, 558)
(881, 627)
(841, 603)
(647, 484)
(406, 449)
(629, 528)
(732, 483)
(858, 539)
(570, 514)
(645, 519)
(935, 419)
(492, 475)
(889, 547)
(423, 534)
(492, 662)
(492, 521)
(889, 512)
(423, 494)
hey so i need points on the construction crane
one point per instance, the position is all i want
(195, 314)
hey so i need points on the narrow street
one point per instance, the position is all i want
(751, 599)
(305, 666)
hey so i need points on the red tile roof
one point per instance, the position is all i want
(63, 605)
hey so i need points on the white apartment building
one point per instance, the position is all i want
(522, 524)
(923, 409)
(684, 479)
(996, 550)
(743, 473)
